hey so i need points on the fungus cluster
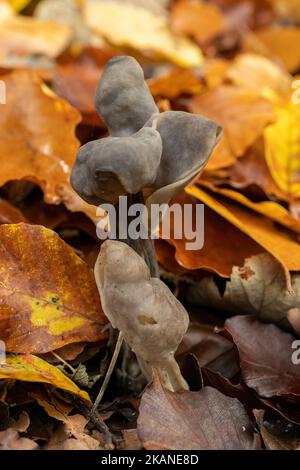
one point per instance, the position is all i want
(154, 155)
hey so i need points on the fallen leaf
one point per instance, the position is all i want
(76, 79)
(198, 19)
(270, 209)
(259, 74)
(287, 9)
(30, 368)
(261, 229)
(71, 436)
(243, 116)
(25, 35)
(18, 5)
(282, 149)
(37, 140)
(257, 288)
(276, 42)
(175, 83)
(272, 441)
(214, 256)
(121, 24)
(11, 440)
(48, 294)
(265, 357)
(9, 214)
(204, 420)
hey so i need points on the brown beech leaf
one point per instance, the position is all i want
(214, 256)
(204, 420)
(37, 140)
(265, 358)
(76, 78)
(277, 43)
(257, 288)
(241, 113)
(48, 294)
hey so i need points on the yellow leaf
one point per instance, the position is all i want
(282, 149)
(18, 5)
(130, 25)
(30, 368)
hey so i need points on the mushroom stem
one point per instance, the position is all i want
(169, 373)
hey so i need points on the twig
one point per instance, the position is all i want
(108, 372)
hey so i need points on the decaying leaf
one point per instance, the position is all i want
(42, 307)
(265, 357)
(205, 420)
(121, 24)
(30, 368)
(37, 140)
(258, 288)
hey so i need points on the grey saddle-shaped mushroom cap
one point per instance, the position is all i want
(123, 99)
(107, 168)
(188, 141)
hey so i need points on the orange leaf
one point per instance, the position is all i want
(48, 294)
(259, 228)
(177, 82)
(37, 140)
(243, 116)
(199, 19)
(217, 255)
(278, 43)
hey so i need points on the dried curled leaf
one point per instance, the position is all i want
(152, 320)
(123, 99)
(30, 368)
(107, 168)
(257, 288)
